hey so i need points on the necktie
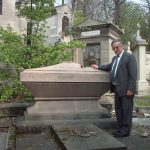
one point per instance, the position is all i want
(113, 71)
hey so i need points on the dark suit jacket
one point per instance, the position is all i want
(126, 74)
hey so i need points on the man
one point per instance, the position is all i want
(123, 75)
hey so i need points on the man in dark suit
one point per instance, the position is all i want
(123, 75)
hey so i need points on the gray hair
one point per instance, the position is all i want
(116, 40)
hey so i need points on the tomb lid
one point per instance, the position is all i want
(65, 66)
(64, 72)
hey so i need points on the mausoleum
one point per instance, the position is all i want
(98, 37)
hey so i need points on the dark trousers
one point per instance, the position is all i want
(124, 109)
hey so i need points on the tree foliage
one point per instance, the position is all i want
(78, 17)
(145, 26)
(36, 10)
(16, 54)
(101, 10)
(132, 14)
(123, 13)
(118, 5)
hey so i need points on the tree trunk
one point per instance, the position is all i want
(117, 13)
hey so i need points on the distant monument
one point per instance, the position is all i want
(140, 53)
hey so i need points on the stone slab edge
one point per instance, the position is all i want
(65, 146)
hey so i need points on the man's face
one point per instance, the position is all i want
(117, 48)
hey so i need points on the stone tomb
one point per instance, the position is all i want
(66, 91)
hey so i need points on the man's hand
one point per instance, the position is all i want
(129, 93)
(94, 66)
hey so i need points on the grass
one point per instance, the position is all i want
(142, 101)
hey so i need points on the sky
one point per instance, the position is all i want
(58, 2)
(137, 1)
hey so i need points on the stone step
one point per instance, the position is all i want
(83, 136)
(66, 116)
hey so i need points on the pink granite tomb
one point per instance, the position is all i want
(65, 90)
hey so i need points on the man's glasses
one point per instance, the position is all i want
(115, 47)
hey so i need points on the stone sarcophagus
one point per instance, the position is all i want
(65, 90)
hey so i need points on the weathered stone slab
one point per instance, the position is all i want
(3, 137)
(85, 137)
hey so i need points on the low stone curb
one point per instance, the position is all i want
(141, 121)
(142, 109)
(11, 139)
(8, 111)
(13, 109)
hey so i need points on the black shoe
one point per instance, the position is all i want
(116, 132)
(120, 134)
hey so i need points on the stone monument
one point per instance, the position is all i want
(139, 51)
(66, 91)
